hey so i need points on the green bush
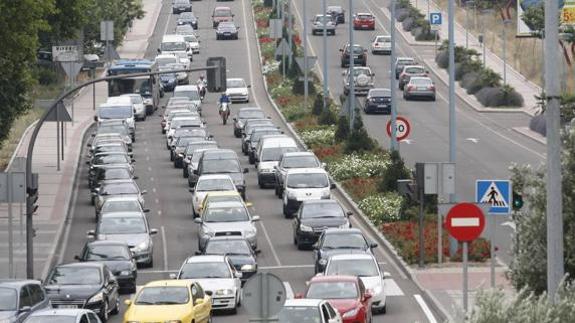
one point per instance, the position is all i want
(504, 96)
(342, 130)
(317, 107)
(327, 117)
(299, 86)
(442, 58)
(359, 140)
(395, 171)
(47, 76)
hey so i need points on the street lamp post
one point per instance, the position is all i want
(468, 4)
(325, 92)
(351, 97)
(305, 80)
(505, 23)
(452, 119)
(392, 84)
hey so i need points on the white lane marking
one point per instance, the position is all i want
(154, 189)
(274, 253)
(289, 290)
(165, 247)
(160, 212)
(151, 179)
(285, 267)
(157, 201)
(425, 308)
(391, 288)
(465, 222)
(149, 168)
(250, 65)
(473, 140)
(146, 149)
(147, 158)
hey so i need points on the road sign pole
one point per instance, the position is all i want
(10, 229)
(492, 229)
(421, 226)
(351, 97)
(57, 140)
(465, 282)
(325, 67)
(452, 134)
(289, 31)
(305, 72)
(394, 143)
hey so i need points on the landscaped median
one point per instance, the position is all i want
(365, 171)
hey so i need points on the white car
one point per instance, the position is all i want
(61, 315)
(366, 268)
(381, 44)
(237, 90)
(181, 77)
(183, 58)
(207, 184)
(303, 184)
(193, 42)
(138, 104)
(217, 276)
(306, 310)
(184, 121)
(191, 92)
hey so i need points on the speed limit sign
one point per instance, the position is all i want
(402, 128)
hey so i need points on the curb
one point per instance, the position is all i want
(525, 131)
(363, 219)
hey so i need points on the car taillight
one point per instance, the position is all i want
(376, 44)
(431, 87)
(410, 88)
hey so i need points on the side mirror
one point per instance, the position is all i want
(197, 253)
(153, 232)
(91, 234)
(246, 170)
(349, 213)
(238, 274)
(135, 177)
(343, 73)
(249, 204)
(159, 51)
(198, 220)
(235, 119)
(199, 301)
(87, 162)
(249, 86)
(76, 257)
(173, 276)
(255, 218)
(127, 302)
(146, 210)
(367, 296)
(332, 186)
(88, 145)
(373, 245)
(191, 190)
(386, 275)
(341, 50)
(95, 118)
(144, 192)
(323, 165)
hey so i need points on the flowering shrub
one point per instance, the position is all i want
(360, 188)
(359, 165)
(318, 136)
(269, 67)
(382, 208)
(328, 153)
(264, 40)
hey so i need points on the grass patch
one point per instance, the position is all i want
(18, 128)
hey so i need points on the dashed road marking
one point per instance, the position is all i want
(274, 253)
(165, 247)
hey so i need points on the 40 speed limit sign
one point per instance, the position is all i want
(402, 128)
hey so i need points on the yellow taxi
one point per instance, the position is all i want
(174, 301)
(222, 196)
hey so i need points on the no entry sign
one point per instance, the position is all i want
(465, 222)
(402, 128)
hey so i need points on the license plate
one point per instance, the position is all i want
(363, 26)
(421, 88)
(227, 34)
(356, 56)
(67, 306)
(382, 105)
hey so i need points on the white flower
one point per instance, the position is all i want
(318, 137)
(382, 208)
(354, 165)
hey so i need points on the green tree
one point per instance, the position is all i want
(20, 23)
(534, 18)
(359, 140)
(68, 17)
(396, 170)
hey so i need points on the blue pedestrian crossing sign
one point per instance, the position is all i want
(494, 192)
(435, 18)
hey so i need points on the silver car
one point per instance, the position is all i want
(419, 87)
(363, 79)
(381, 44)
(181, 6)
(230, 218)
(321, 22)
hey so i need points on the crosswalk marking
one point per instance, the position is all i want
(391, 288)
(289, 290)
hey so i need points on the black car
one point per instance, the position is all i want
(181, 6)
(119, 259)
(188, 18)
(359, 55)
(245, 114)
(314, 217)
(239, 251)
(105, 174)
(19, 298)
(94, 173)
(337, 12)
(168, 80)
(191, 148)
(339, 241)
(179, 148)
(224, 161)
(254, 138)
(227, 30)
(378, 100)
(89, 285)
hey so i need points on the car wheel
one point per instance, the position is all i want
(185, 172)
(384, 309)
(286, 214)
(294, 240)
(116, 309)
(364, 63)
(251, 159)
(150, 263)
(276, 190)
(433, 98)
(171, 156)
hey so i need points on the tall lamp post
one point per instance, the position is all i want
(351, 97)
(325, 91)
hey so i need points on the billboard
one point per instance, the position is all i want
(566, 6)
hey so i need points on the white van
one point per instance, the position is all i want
(118, 111)
(269, 152)
(165, 59)
(191, 92)
(124, 99)
(304, 184)
(174, 43)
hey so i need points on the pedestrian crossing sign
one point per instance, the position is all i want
(494, 192)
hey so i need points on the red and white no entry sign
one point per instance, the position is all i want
(465, 221)
(402, 128)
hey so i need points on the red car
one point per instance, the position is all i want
(347, 294)
(364, 21)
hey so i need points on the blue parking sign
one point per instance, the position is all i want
(435, 18)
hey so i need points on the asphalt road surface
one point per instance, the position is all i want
(170, 201)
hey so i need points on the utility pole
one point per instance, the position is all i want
(351, 97)
(325, 92)
(289, 31)
(555, 261)
(452, 138)
(394, 144)
(305, 80)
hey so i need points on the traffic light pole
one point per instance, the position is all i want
(31, 179)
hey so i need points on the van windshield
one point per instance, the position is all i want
(173, 46)
(307, 181)
(119, 112)
(192, 95)
(275, 153)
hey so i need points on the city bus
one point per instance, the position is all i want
(147, 86)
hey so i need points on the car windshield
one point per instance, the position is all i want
(184, 122)
(186, 15)
(173, 46)
(219, 184)
(275, 154)
(190, 39)
(341, 241)
(119, 188)
(256, 136)
(119, 129)
(300, 314)
(356, 49)
(108, 252)
(229, 247)
(196, 146)
(8, 299)
(163, 61)
(111, 159)
(222, 13)
(307, 181)
(322, 19)
(75, 276)
(364, 17)
(383, 39)
(122, 225)
(121, 206)
(119, 112)
(380, 93)
(414, 70)
(235, 83)
(300, 162)
(405, 61)
(361, 71)
(117, 173)
(352, 267)
(164, 295)
(185, 141)
(191, 95)
(226, 198)
(51, 319)
(226, 214)
(332, 290)
(200, 270)
(217, 166)
(319, 210)
(251, 114)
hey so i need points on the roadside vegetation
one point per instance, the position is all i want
(414, 21)
(356, 161)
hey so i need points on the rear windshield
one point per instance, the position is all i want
(275, 153)
(119, 112)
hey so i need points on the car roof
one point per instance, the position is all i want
(222, 193)
(106, 243)
(364, 14)
(306, 302)
(93, 264)
(352, 256)
(60, 312)
(333, 278)
(169, 283)
(214, 176)
(227, 204)
(15, 283)
(115, 198)
(321, 202)
(306, 171)
(298, 154)
(343, 231)
(122, 215)
(205, 258)
(226, 238)
(222, 7)
(415, 78)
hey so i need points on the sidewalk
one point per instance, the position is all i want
(56, 187)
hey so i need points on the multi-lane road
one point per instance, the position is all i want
(169, 199)
(486, 144)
